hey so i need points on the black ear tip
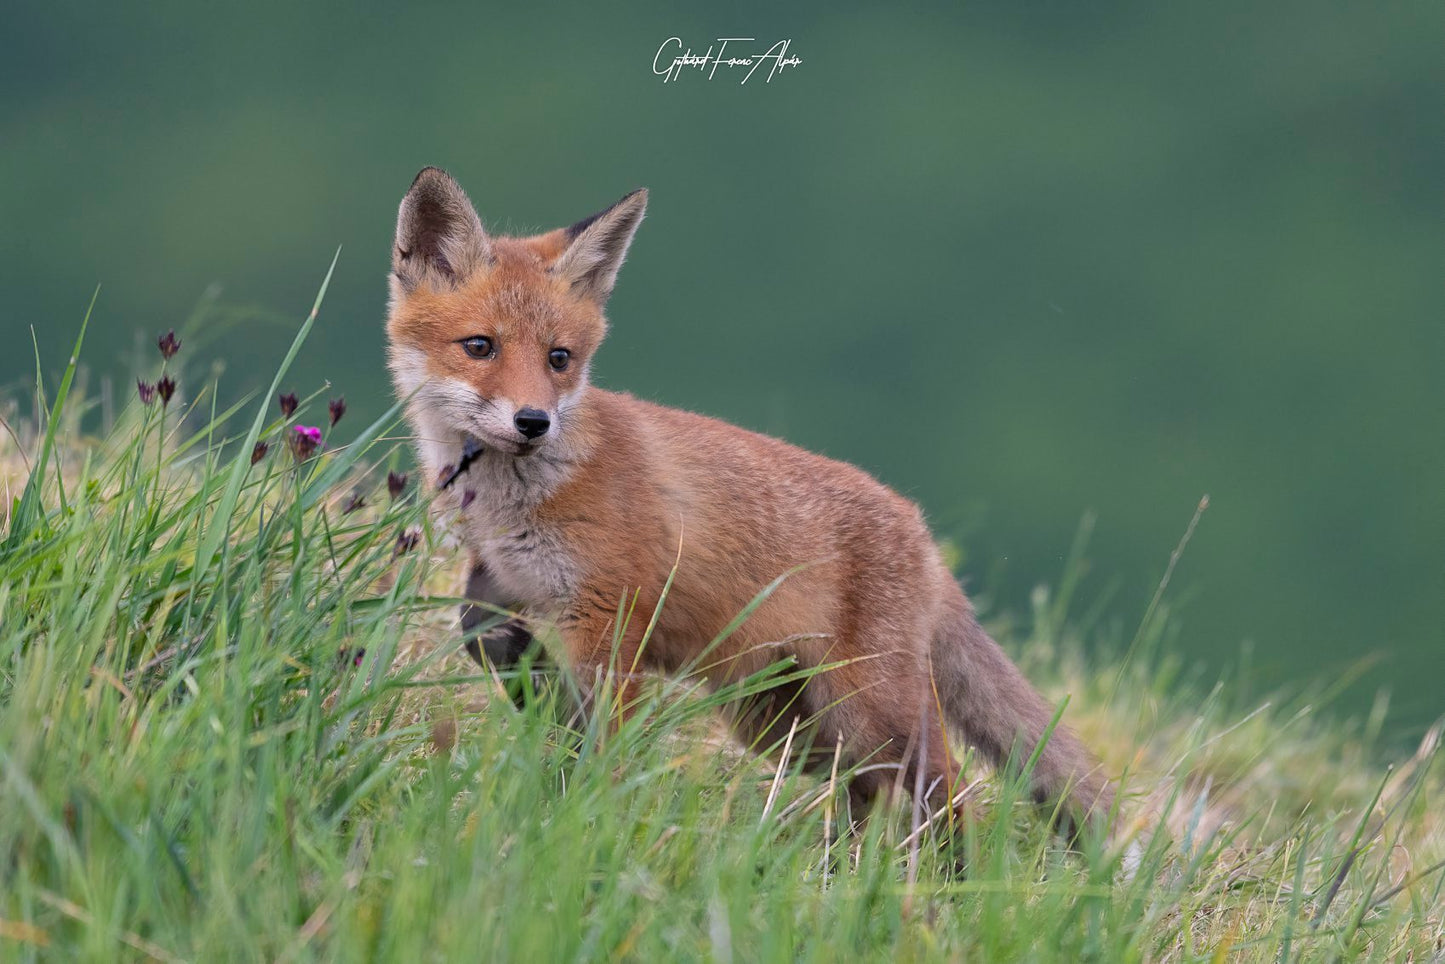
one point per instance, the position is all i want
(429, 176)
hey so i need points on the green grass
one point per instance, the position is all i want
(234, 726)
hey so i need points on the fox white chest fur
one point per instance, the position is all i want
(526, 556)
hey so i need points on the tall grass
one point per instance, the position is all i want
(233, 726)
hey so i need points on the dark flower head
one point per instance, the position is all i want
(396, 484)
(169, 344)
(259, 452)
(165, 388)
(406, 541)
(346, 655)
(352, 504)
(337, 407)
(287, 403)
(146, 391)
(304, 440)
(468, 497)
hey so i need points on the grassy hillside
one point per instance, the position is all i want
(234, 725)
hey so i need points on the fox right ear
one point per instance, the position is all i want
(597, 245)
(439, 238)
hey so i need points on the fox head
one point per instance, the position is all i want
(492, 336)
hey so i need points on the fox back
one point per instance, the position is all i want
(574, 499)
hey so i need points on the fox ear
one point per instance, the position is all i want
(597, 245)
(439, 238)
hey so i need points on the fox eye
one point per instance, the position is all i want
(558, 358)
(478, 346)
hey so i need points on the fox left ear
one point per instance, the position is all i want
(439, 238)
(597, 245)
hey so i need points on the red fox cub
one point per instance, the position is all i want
(576, 498)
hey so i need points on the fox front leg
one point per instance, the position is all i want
(503, 643)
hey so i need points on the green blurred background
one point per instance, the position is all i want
(1023, 264)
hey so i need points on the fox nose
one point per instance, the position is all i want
(532, 422)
